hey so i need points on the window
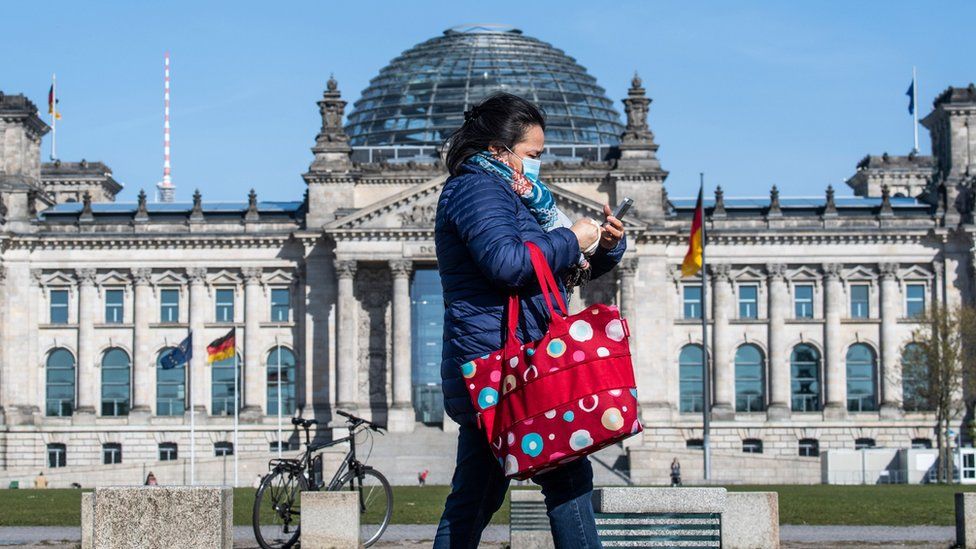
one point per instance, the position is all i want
(803, 300)
(914, 300)
(114, 306)
(57, 455)
(859, 300)
(170, 386)
(169, 305)
(690, 379)
(168, 451)
(60, 372)
(115, 382)
(921, 443)
(864, 443)
(691, 297)
(280, 304)
(426, 340)
(752, 446)
(286, 445)
(695, 444)
(222, 449)
(805, 378)
(749, 384)
(222, 387)
(284, 357)
(914, 376)
(809, 447)
(225, 305)
(749, 301)
(861, 362)
(59, 306)
(111, 453)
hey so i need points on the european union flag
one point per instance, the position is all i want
(911, 97)
(179, 355)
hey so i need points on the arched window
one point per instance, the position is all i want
(60, 373)
(861, 368)
(116, 380)
(750, 392)
(286, 359)
(805, 376)
(914, 377)
(690, 378)
(222, 392)
(170, 386)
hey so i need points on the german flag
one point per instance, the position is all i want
(52, 103)
(221, 348)
(693, 259)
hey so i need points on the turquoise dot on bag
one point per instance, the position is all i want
(468, 369)
(532, 444)
(568, 416)
(487, 398)
(530, 352)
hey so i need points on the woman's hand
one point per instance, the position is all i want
(587, 232)
(613, 230)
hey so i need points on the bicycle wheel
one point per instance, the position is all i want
(375, 502)
(277, 509)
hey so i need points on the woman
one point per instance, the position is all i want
(493, 204)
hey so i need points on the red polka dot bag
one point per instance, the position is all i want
(548, 402)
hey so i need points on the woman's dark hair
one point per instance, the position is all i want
(500, 119)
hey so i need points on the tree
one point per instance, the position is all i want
(939, 367)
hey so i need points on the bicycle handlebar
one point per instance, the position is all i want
(354, 420)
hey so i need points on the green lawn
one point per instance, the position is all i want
(900, 505)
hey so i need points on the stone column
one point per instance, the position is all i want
(778, 364)
(198, 362)
(346, 366)
(143, 366)
(835, 373)
(401, 417)
(891, 396)
(88, 374)
(723, 364)
(627, 272)
(255, 376)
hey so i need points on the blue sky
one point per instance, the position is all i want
(751, 93)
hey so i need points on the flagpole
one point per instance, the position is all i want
(193, 417)
(278, 350)
(54, 116)
(915, 110)
(706, 374)
(237, 392)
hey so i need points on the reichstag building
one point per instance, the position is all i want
(812, 301)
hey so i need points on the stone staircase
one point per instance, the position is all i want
(400, 456)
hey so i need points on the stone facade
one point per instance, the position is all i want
(95, 277)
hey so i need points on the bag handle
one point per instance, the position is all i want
(547, 282)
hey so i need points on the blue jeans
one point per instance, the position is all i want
(478, 490)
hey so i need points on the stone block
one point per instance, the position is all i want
(751, 520)
(157, 517)
(966, 520)
(659, 500)
(330, 520)
(87, 520)
(528, 522)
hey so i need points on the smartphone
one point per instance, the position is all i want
(621, 210)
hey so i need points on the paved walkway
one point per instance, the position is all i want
(402, 535)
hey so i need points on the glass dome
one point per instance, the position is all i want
(420, 97)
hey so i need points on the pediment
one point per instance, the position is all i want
(279, 277)
(169, 277)
(747, 273)
(58, 278)
(802, 273)
(860, 272)
(224, 276)
(415, 209)
(915, 272)
(114, 278)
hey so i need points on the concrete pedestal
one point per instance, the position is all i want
(965, 520)
(157, 517)
(330, 520)
(751, 520)
(87, 520)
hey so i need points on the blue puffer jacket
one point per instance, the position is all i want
(480, 232)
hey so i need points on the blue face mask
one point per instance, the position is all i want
(530, 167)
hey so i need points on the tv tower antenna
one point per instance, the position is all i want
(165, 190)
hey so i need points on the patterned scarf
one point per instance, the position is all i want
(536, 197)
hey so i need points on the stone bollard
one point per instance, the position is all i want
(158, 517)
(751, 520)
(965, 519)
(87, 520)
(528, 522)
(330, 520)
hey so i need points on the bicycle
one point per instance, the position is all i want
(279, 496)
